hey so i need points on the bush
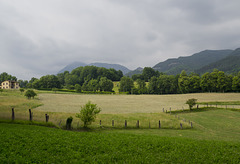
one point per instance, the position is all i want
(69, 123)
(21, 90)
(30, 94)
(191, 102)
(88, 113)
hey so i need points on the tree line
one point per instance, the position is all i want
(92, 78)
(88, 78)
(159, 83)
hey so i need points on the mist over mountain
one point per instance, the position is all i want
(74, 65)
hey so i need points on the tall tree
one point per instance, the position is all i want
(149, 72)
(126, 84)
(105, 84)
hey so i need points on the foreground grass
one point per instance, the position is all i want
(34, 144)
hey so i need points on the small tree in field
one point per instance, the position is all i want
(30, 94)
(21, 90)
(191, 102)
(88, 113)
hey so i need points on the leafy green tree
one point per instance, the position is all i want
(167, 84)
(137, 76)
(149, 72)
(191, 103)
(105, 84)
(49, 82)
(183, 82)
(5, 76)
(93, 85)
(88, 113)
(30, 94)
(153, 87)
(36, 84)
(221, 81)
(126, 84)
(236, 83)
(22, 90)
(141, 86)
(23, 84)
(205, 82)
(78, 88)
(194, 84)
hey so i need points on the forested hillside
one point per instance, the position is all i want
(229, 64)
(191, 63)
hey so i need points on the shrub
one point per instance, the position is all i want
(21, 90)
(69, 122)
(88, 113)
(191, 102)
(30, 94)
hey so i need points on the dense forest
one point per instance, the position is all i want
(95, 79)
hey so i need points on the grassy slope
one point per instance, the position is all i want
(21, 143)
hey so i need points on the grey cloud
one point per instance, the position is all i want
(40, 37)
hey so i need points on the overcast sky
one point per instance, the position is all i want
(40, 37)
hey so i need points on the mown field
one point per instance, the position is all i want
(214, 138)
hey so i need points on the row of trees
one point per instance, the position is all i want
(216, 81)
(91, 78)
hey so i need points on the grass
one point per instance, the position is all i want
(214, 138)
(117, 104)
(34, 144)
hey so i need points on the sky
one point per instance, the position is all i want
(41, 37)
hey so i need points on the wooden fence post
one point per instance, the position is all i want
(30, 115)
(125, 123)
(170, 110)
(100, 122)
(197, 106)
(112, 123)
(162, 109)
(191, 125)
(47, 117)
(13, 114)
(60, 123)
(159, 124)
(137, 124)
(181, 125)
(149, 125)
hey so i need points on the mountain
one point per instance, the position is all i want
(191, 63)
(139, 70)
(74, 65)
(229, 64)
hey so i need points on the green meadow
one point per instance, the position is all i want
(214, 137)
